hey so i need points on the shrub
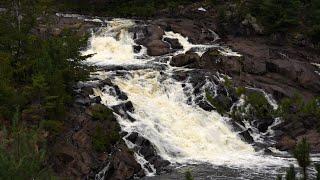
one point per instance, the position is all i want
(101, 113)
(188, 175)
(291, 173)
(279, 15)
(22, 153)
(240, 91)
(103, 140)
(318, 171)
(260, 106)
(218, 105)
(279, 177)
(302, 154)
(54, 127)
(296, 109)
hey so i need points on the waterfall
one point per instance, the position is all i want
(181, 132)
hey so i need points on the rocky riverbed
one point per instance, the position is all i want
(281, 70)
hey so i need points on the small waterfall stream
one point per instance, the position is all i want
(181, 131)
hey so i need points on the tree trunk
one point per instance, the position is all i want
(305, 173)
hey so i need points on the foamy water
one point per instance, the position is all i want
(181, 132)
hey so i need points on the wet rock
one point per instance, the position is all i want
(87, 90)
(185, 59)
(128, 106)
(263, 124)
(180, 76)
(123, 165)
(153, 41)
(96, 100)
(157, 48)
(158, 162)
(174, 43)
(121, 95)
(105, 82)
(137, 48)
(214, 60)
(133, 137)
(146, 149)
(205, 106)
(245, 135)
(85, 101)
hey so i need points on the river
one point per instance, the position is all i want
(166, 113)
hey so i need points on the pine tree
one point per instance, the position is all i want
(318, 171)
(302, 154)
(291, 173)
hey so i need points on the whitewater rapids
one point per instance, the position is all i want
(181, 132)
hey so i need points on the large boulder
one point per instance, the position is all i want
(174, 43)
(245, 135)
(152, 40)
(123, 165)
(185, 59)
(157, 48)
(214, 60)
(148, 151)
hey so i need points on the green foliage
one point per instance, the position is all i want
(188, 175)
(314, 33)
(36, 70)
(274, 15)
(286, 15)
(259, 105)
(317, 166)
(103, 140)
(295, 109)
(123, 8)
(36, 74)
(291, 173)
(279, 177)
(54, 127)
(22, 153)
(280, 15)
(302, 154)
(219, 106)
(101, 113)
(240, 91)
(228, 83)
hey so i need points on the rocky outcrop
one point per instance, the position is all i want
(214, 60)
(77, 152)
(147, 150)
(289, 133)
(190, 58)
(60, 24)
(281, 71)
(122, 165)
(174, 43)
(152, 40)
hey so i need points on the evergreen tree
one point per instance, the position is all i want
(188, 175)
(318, 171)
(302, 154)
(291, 173)
(280, 15)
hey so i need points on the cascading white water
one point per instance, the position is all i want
(181, 132)
(112, 45)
